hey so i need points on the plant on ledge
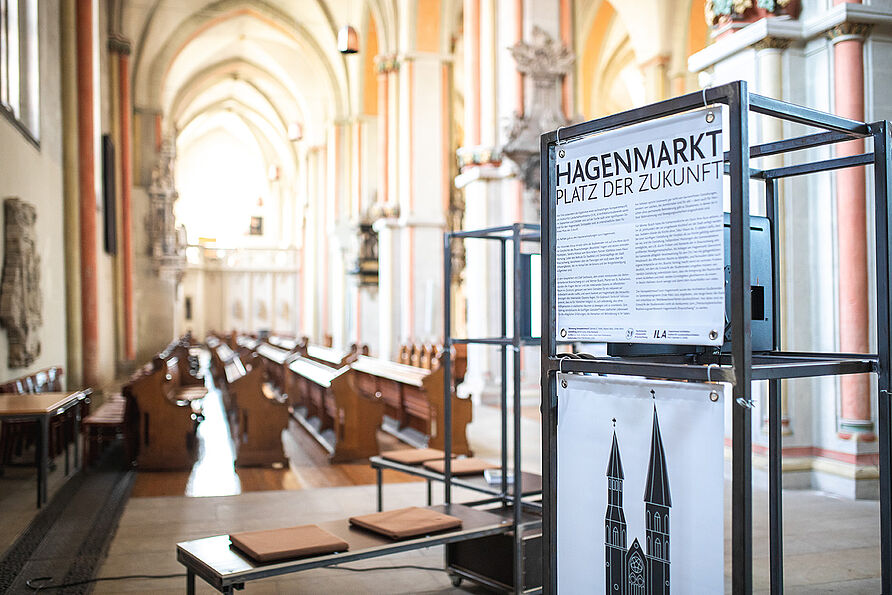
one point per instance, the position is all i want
(720, 12)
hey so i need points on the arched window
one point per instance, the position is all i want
(656, 521)
(658, 553)
(615, 536)
(666, 524)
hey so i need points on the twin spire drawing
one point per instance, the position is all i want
(630, 570)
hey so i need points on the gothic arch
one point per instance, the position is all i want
(150, 85)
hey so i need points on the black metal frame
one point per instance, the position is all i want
(743, 366)
(516, 234)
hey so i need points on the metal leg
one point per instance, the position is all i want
(67, 463)
(77, 437)
(775, 487)
(190, 582)
(429, 496)
(380, 483)
(43, 460)
(518, 557)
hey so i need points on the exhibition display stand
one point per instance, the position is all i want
(741, 366)
(500, 572)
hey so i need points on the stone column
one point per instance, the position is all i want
(73, 364)
(851, 213)
(389, 288)
(489, 198)
(422, 203)
(120, 49)
(769, 56)
(87, 189)
(656, 77)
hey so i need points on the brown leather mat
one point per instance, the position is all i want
(413, 456)
(406, 522)
(283, 544)
(466, 466)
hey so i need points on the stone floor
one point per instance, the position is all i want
(831, 544)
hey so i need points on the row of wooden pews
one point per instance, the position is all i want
(342, 397)
(257, 415)
(157, 412)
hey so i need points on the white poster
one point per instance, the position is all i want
(639, 234)
(640, 486)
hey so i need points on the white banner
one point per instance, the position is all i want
(640, 486)
(639, 234)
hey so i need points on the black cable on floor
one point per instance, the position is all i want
(48, 579)
(399, 567)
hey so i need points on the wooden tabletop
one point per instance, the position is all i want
(35, 404)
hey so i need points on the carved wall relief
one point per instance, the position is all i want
(167, 240)
(21, 301)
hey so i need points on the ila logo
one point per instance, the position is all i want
(660, 334)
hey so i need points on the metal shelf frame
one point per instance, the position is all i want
(516, 234)
(742, 366)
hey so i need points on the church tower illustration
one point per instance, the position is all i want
(631, 570)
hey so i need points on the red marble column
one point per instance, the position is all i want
(87, 193)
(126, 187)
(854, 314)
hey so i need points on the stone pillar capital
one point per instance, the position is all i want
(772, 43)
(849, 31)
(386, 64)
(118, 44)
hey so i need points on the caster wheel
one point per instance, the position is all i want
(455, 579)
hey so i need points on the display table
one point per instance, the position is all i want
(531, 482)
(40, 408)
(225, 569)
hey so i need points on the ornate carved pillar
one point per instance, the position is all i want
(545, 62)
(167, 241)
(851, 213)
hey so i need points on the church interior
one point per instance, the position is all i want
(240, 237)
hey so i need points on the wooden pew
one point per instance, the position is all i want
(257, 418)
(221, 354)
(190, 369)
(275, 362)
(329, 356)
(166, 426)
(288, 343)
(179, 390)
(413, 399)
(116, 418)
(325, 401)
(428, 356)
